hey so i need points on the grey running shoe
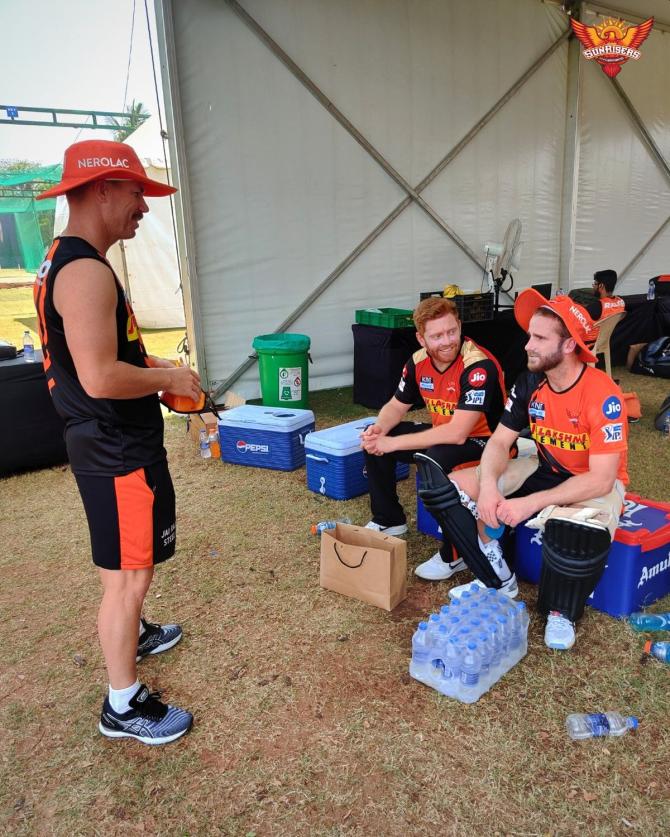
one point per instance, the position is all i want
(157, 638)
(148, 719)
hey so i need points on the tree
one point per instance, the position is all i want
(127, 124)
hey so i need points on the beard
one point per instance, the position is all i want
(546, 363)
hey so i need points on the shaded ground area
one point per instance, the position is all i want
(306, 719)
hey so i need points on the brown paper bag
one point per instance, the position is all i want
(364, 564)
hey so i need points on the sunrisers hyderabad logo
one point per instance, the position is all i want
(611, 42)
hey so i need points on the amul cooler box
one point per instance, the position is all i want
(265, 437)
(335, 461)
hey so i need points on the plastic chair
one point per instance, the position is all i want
(602, 344)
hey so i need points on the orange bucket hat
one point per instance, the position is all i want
(574, 316)
(104, 160)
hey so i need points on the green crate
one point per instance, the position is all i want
(385, 317)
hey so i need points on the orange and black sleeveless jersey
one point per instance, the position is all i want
(104, 436)
(473, 381)
(567, 427)
(601, 309)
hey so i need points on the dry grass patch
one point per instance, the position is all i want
(306, 719)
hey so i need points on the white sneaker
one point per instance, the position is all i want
(400, 529)
(510, 588)
(435, 569)
(560, 632)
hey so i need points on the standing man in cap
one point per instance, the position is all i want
(573, 487)
(105, 387)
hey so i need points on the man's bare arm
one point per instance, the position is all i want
(85, 296)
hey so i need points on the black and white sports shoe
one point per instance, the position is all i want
(148, 719)
(157, 638)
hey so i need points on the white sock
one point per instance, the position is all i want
(119, 699)
(493, 552)
(141, 628)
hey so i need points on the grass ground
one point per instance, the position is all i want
(306, 721)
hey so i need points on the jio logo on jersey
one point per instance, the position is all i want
(477, 377)
(612, 408)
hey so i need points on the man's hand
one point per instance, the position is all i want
(513, 512)
(378, 444)
(184, 381)
(487, 505)
(371, 431)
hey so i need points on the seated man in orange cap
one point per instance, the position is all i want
(572, 489)
(105, 387)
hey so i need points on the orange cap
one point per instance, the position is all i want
(104, 160)
(574, 316)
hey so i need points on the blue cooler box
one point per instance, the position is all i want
(265, 437)
(335, 461)
(638, 566)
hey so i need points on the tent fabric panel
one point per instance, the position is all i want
(281, 193)
(623, 195)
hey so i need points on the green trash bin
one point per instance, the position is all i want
(282, 362)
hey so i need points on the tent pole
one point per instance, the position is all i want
(569, 191)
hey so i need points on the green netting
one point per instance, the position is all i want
(41, 174)
(19, 214)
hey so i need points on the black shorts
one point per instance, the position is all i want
(131, 518)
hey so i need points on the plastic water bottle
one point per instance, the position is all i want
(666, 428)
(451, 675)
(660, 650)
(651, 290)
(599, 724)
(205, 452)
(649, 621)
(320, 528)
(419, 666)
(28, 348)
(471, 667)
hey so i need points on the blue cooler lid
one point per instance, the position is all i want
(340, 440)
(258, 417)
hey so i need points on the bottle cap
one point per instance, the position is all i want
(633, 721)
(312, 528)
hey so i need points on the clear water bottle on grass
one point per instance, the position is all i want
(28, 348)
(205, 451)
(660, 650)
(599, 724)
(649, 621)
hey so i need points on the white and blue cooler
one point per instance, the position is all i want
(265, 437)
(335, 461)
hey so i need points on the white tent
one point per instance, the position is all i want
(147, 264)
(337, 154)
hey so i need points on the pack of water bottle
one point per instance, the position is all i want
(470, 644)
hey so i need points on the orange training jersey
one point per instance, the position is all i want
(569, 426)
(473, 381)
